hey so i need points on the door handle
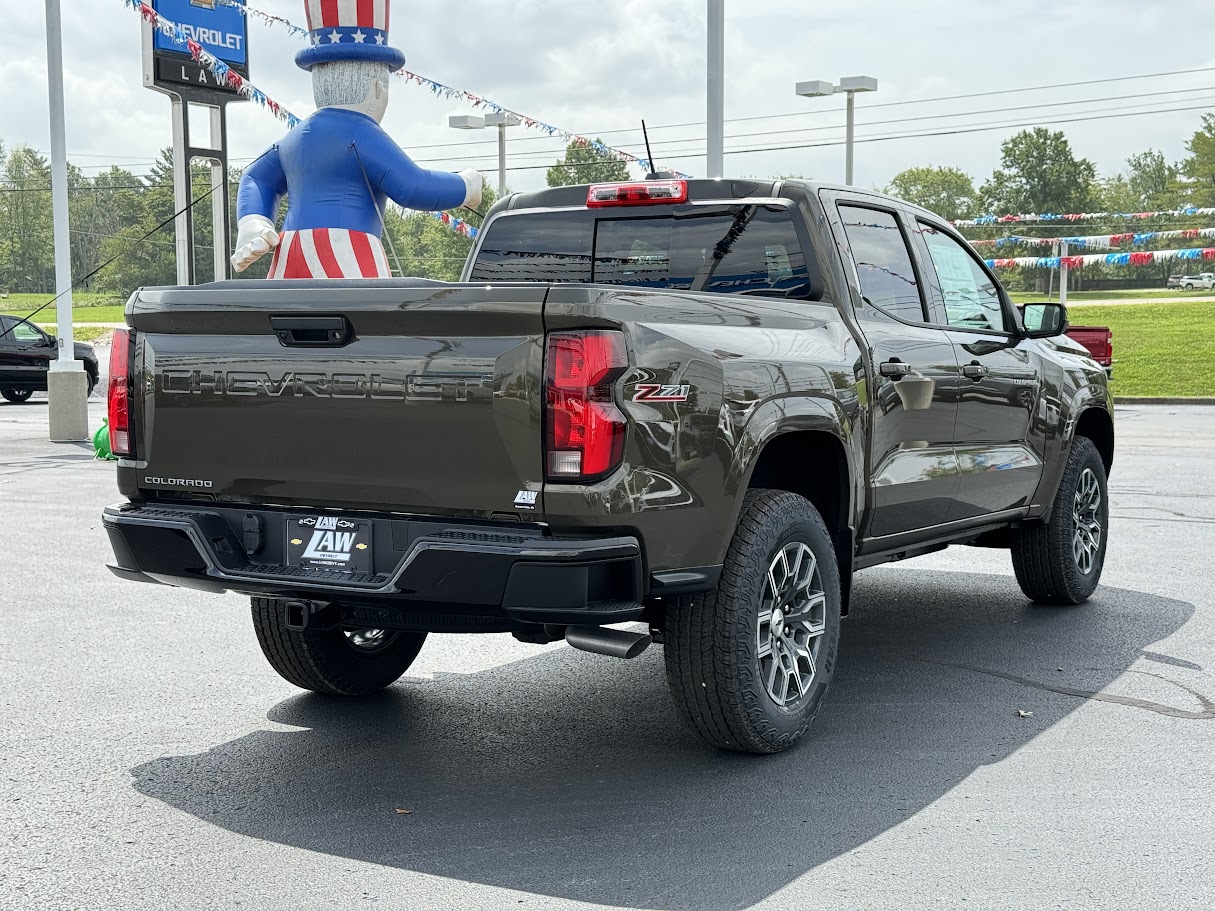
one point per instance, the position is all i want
(974, 371)
(895, 369)
(312, 331)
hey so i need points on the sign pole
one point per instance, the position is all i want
(183, 225)
(67, 384)
(220, 234)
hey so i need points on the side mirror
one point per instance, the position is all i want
(49, 341)
(1044, 320)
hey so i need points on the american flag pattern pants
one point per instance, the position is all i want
(329, 253)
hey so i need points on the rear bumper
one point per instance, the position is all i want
(456, 576)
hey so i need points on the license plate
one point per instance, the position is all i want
(329, 542)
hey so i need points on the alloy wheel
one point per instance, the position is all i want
(1086, 522)
(792, 621)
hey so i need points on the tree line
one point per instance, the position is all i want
(125, 219)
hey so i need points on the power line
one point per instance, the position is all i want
(965, 95)
(1026, 107)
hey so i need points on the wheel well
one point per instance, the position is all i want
(812, 464)
(1096, 424)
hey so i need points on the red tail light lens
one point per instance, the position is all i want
(644, 193)
(118, 400)
(585, 428)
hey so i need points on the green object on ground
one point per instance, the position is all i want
(101, 443)
(1159, 349)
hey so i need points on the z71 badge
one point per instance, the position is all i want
(657, 392)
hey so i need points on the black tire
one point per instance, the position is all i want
(1189, 287)
(92, 384)
(16, 396)
(327, 661)
(1044, 555)
(712, 641)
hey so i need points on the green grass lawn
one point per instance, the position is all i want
(97, 314)
(1159, 349)
(86, 307)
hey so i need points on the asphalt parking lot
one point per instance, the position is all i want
(149, 758)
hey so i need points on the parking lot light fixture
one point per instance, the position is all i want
(850, 85)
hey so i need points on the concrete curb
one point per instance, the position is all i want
(1196, 400)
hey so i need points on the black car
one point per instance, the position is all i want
(26, 352)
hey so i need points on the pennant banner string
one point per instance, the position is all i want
(1082, 216)
(1145, 258)
(1097, 241)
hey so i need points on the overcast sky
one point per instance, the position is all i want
(598, 66)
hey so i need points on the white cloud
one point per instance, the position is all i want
(602, 66)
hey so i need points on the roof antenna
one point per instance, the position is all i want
(654, 174)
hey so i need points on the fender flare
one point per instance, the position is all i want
(777, 417)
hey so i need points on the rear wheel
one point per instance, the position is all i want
(1059, 562)
(337, 662)
(748, 665)
(16, 396)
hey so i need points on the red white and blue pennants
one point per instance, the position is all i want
(1097, 241)
(983, 220)
(1145, 258)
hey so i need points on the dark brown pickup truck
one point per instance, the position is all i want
(701, 406)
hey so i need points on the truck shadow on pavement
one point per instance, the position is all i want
(569, 775)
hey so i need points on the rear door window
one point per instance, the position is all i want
(883, 262)
(743, 249)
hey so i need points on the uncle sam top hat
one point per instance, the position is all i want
(348, 30)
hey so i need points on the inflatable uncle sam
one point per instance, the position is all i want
(339, 165)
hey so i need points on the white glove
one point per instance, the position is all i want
(474, 185)
(255, 237)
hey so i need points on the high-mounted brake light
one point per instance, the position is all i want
(644, 193)
(118, 400)
(585, 433)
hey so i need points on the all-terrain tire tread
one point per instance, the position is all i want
(1042, 553)
(704, 671)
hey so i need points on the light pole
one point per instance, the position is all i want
(501, 121)
(851, 85)
(715, 91)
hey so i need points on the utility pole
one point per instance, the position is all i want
(716, 89)
(67, 385)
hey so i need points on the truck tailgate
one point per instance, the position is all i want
(430, 402)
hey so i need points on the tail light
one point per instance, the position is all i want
(644, 193)
(585, 433)
(118, 400)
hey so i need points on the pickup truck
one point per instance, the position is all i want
(1098, 341)
(699, 406)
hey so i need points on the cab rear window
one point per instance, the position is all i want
(752, 249)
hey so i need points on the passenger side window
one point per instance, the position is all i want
(883, 262)
(972, 298)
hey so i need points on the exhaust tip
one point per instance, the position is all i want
(601, 640)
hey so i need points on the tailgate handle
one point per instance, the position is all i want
(312, 331)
